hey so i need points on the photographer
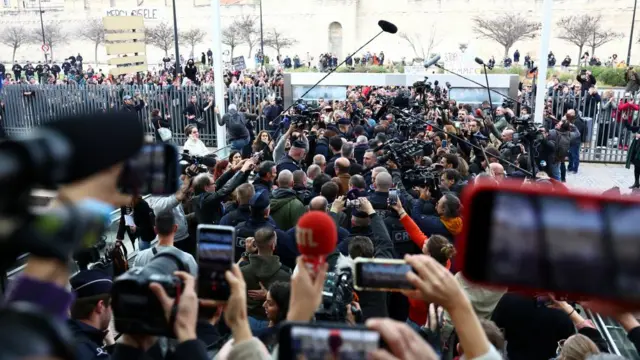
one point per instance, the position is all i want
(509, 150)
(446, 220)
(208, 195)
(545, 157)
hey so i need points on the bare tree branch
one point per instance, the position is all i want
(277, 41)
(417, 44)
(192, 37)
(507, 29)
(231, 37)
(601, 37)
(248, 31)
(14, 37)
(93, 30)
(54, 35)
(160, 36)
(584, 30)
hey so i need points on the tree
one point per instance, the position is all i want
(507, 29)
(584, 30)
(14, 37)
(160, 36)
(248, 31)
(417, 43)
(231, 37)
(93, 31)
(54, 35)
(192, 37)
(278, 41)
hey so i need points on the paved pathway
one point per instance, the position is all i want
(600, 177)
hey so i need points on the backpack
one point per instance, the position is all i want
(563, 142)
(118, 256)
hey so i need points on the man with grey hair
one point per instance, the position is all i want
(362, 144)
(348, 153)
(374, 173)
(286, 208)
(237, 132)
(320, 161)
(312, 172)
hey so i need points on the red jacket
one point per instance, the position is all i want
(625, 111)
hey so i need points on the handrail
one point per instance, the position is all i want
(602, 328)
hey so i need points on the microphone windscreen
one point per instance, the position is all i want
(478, 113)
(316, 234)
(387, 27)
(479, 61)
(432, 61)
(98, 141)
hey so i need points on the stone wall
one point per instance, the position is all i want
(444, 24)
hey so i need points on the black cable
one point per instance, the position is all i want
(526, 172)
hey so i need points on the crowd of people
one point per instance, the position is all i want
(585, 60)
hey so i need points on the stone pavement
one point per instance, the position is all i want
(601, 177)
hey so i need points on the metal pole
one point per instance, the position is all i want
(218, 74)
(44, 40)
(262, 35)
(633, 21)
(486, 77)
(175, 39)
(543, 64)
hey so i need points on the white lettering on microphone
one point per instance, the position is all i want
(304, 237)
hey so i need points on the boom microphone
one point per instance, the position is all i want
(67, 150)
(431, 61)
(387, 27)
(479, 61)
(316, 237)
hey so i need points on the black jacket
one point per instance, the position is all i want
(331, 165)
(377, 232)
(143, 217)
(208, 205)
(322, 147)
(287, 163)
(358, 152)
(259, 184)
(192, 349)
(158, 122)
(89, 341)
(190, 72)
(303, 193)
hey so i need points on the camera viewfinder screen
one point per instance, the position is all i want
(315, 343)
(154, 170)
(384, 276)
(215, 256)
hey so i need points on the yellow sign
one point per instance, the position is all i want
(126, 43)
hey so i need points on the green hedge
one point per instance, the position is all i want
(605, 75)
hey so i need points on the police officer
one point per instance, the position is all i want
(291, 161)
(91, 314)
(260, 209)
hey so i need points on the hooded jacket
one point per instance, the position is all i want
(286, 209)
(265, 270)
(236, 125)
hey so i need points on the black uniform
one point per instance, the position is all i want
(29, 71)
(55, 70)
(402, 244)
(88, 341)
(17, 71)
(285, 249)
(66, 66)
(287, 163)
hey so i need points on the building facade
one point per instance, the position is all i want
(320, 26)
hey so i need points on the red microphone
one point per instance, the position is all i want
(479, 113)
(316, 236)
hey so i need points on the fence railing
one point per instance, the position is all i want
(28, 106)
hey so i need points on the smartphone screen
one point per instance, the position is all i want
(215, 257)
(327, 341)
(154, 170)
(382, 275)
(444, 143)
(393, 197)
(570, 244)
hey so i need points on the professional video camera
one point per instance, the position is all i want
(336, 295)
(192, 165)
(526, 130)
(403, 153)
(136, 309)
(422, 176)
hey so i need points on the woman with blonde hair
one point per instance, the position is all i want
(576, 347)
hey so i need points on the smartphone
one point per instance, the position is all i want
(381, 275)
(327, 341)
(444, 143)
(572, 244)
(393, 197)
(215, 257)
(154, 170)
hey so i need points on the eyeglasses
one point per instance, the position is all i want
(560, 345)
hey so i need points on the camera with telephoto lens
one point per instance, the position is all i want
(336, 295)
(424, 177)
(192, 165)
(526, 130)
(136, 309)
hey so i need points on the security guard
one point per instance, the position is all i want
(291, 161)
(91, 314)
(259, 204)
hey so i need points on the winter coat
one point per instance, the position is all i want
(286, 208)
(265, 269)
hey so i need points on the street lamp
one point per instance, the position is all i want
(175, 39)
(44, 39)
(633, 20)
(261, 35)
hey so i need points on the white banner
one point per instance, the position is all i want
(461, 62)
(148, 13)
(415, 69)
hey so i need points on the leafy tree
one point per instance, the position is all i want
(93, 30)
(192, 37)
(248, 31)
(277, 41)
(507, 29)
(160, 36)
(14, 37)
(231, 37)
(54, 35)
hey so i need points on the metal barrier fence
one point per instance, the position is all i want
(28, 106)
